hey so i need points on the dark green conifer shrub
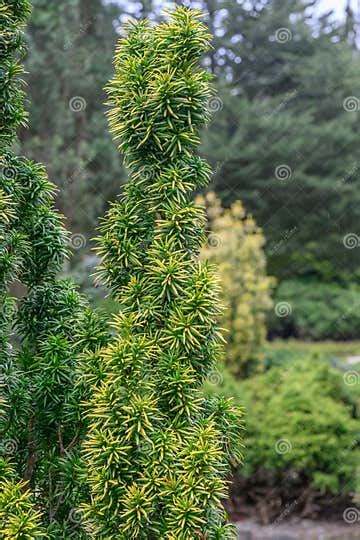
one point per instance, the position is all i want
(41, 426)
(13, 14)
(18, 516)
(158, 454)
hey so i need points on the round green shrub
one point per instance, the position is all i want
(302, 436)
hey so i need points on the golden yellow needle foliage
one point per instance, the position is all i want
(236, 247)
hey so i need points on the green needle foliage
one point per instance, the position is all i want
(13, 14)
(12, 115)
(41, 425)
(18, 516)
(158, 453)
(9, 261)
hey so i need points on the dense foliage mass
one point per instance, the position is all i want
(302, 450)
(40, 425)
(158, 453)
(236, 246)
(17, 513)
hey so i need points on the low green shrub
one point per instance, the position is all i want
(312, 310)
(278, 352)
(301, 439)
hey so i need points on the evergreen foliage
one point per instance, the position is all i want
(285, 89)
(41, 425)
(236, 246)
(302, 426)
(158, 453)
(19, 518)
(312, 310)
(54, 327)
(12, 111)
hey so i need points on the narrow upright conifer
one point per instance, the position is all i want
(157, 452)
(40, 424)
(18, 515)
(12, 115)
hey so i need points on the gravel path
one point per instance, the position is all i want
(303, 530)
(352, 360)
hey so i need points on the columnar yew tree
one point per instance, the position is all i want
(41, 425)
(18, 517)
(157, 452)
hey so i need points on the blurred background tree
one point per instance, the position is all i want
(284, 138)
(71, 43)
(236, 247)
